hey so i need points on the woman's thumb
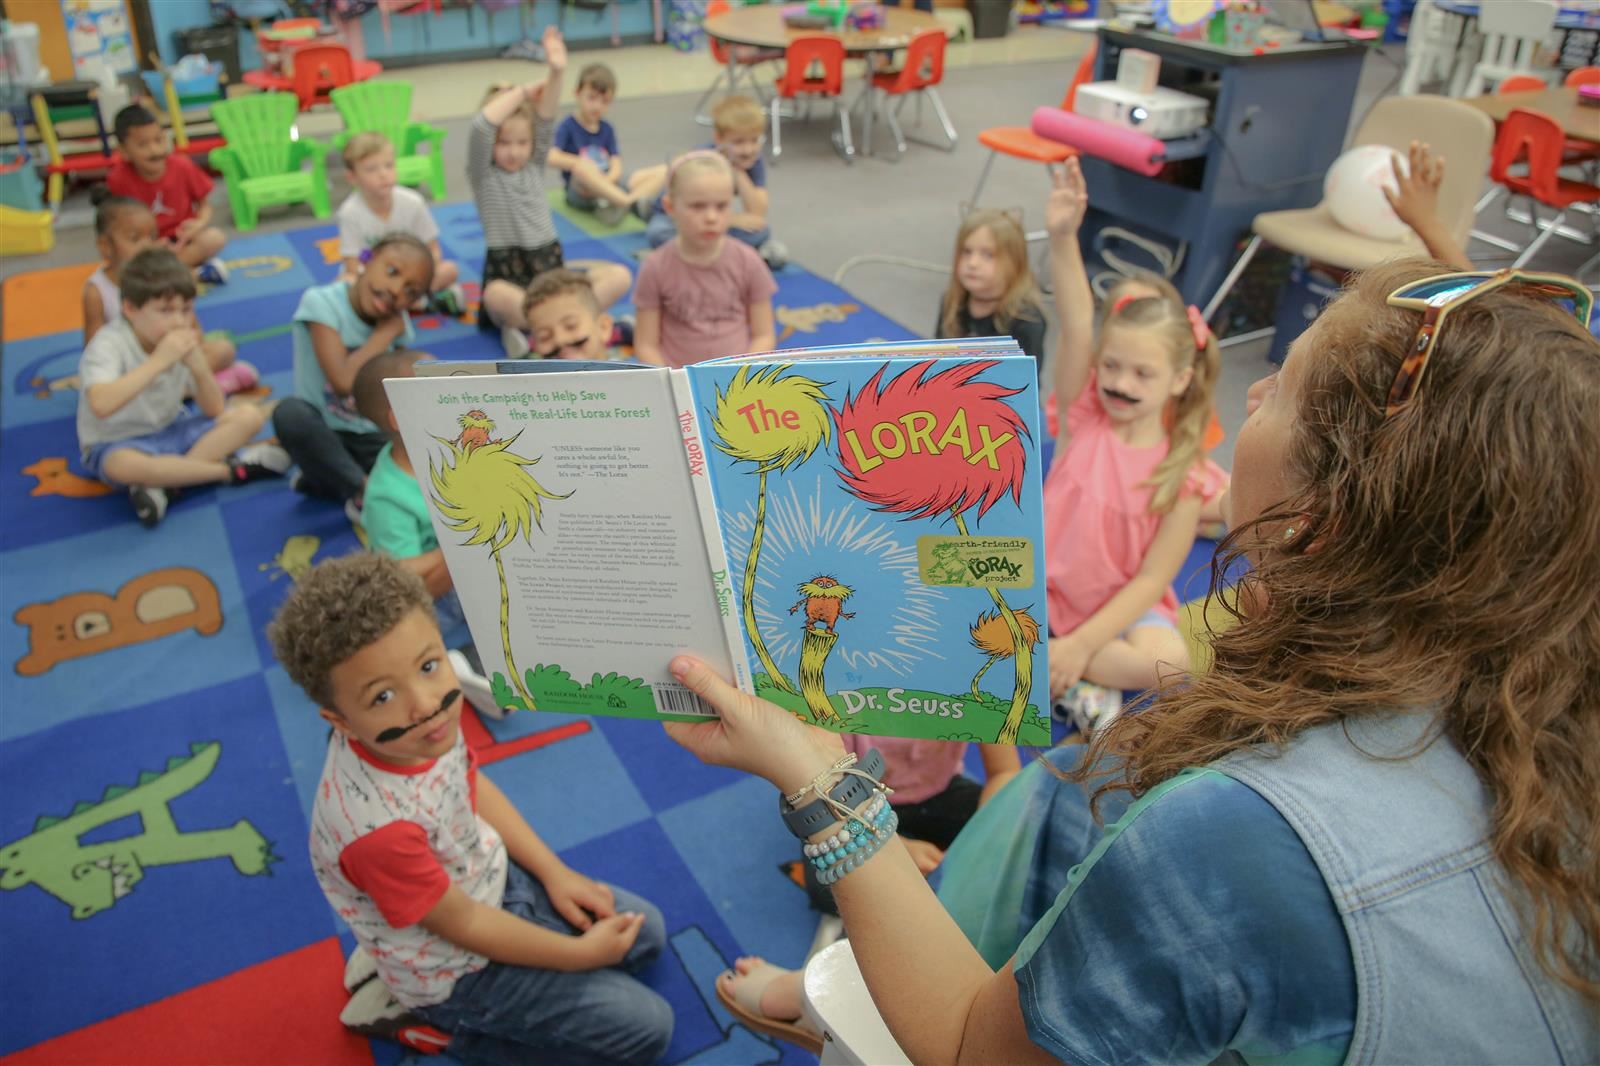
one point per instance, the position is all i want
(704, 682)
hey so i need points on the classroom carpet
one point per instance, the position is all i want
(157, 767)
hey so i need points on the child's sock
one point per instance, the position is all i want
(237, 377)
(150, 504)
(451, 301)
(515, 342)
(213, 271)
(256, 461)
(611, 214)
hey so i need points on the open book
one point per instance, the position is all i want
(852, 533)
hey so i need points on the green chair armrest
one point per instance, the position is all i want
(227, 161)
(307, 148)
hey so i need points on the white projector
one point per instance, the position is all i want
(1161, 113)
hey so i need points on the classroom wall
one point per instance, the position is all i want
(448, 34)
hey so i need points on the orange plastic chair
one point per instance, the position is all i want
(745, 59)
(272, 47)
(1020, 142)
(1583, 76)
(1536, 139)
(828, 54)
(319, 69)
(920, 72)
(1521, 83)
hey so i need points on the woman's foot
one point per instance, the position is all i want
(781, 998)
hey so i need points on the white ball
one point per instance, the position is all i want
(1353, 191)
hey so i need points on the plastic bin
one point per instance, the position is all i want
(21, 54)
(217, 43)
(209, 85)
(20, 188)
(25, 232)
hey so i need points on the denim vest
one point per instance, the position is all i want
(1443, 971)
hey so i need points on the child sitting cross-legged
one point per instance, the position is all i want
(123, 227)
(378, 206)
(564, 318)
(148, 170)
(133, 426)
(472, 921)
(702, 294)
(587, 154)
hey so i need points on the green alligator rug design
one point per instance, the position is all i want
(91, 877)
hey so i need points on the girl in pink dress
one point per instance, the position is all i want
(1123, 497)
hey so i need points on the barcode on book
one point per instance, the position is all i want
(675, 699)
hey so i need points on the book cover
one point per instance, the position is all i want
(856, 537)
(881, 520)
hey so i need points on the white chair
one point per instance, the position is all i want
(838, 1003)
(1432, 47)
(1512, 35)
(1461, 133)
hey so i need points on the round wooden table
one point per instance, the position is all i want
(763, 27)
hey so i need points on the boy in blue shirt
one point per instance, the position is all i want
(585, 151)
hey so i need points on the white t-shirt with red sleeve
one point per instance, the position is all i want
(387, 842)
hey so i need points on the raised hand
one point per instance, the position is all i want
(1069, 199)
(1415, 198)
(555, 49)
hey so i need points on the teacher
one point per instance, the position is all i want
(1371, 831)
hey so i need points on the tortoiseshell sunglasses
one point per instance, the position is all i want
(1437, 296)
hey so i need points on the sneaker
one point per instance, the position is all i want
(237, 377)
(611, 214)
(213, 271)
(474, 686)
(359, 969)
(352, 511)
(527, 48)
(1090, 706)
(515, 342)
(644, 208)
(622, 332)
(775, 253)
(256, 461)
(451, 302)
(373, 1011)
(149, 504)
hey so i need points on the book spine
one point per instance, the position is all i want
(695, 450)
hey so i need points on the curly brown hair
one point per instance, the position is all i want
(1445, 557)
(337, 608)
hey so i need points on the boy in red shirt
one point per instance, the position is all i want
(173, 186)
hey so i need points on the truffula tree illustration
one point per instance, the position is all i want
(484, 490)
(991, 636)
(920, 448)
(775, 421)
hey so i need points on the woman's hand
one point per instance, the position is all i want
(751, 734)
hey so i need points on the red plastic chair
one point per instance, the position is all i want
(1583, 76)
(920, 73)
(745, 59)
(1576, 150)
(828, 54)
(1521, 83)
(1536, 139)
(1020, 142)
(319, 69)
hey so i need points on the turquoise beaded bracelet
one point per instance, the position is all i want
(859, 840)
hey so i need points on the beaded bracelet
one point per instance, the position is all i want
(857, 841)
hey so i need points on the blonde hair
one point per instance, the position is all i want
(364, 146)
(1011, 248)
(698, 161)
(1158, 317)
(524, 109)
(1126, 283)
(738, 114)
(1443, 559)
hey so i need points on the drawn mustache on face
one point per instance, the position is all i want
(394, 733)
(1124, 397)
(557, 349)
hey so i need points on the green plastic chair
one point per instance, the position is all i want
(262, 162)
(385, 107)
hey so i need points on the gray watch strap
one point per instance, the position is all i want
(850, 792)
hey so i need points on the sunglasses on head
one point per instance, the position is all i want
(1437, 296)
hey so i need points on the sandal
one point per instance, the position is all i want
(742, 997)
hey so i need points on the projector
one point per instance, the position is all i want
(1164, 114)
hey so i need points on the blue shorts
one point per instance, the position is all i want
(176, 438)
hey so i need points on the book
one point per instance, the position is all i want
(853, 533)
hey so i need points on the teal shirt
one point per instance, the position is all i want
(393, 511)
(329, 305)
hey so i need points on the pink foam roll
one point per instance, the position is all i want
(1136, 151)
